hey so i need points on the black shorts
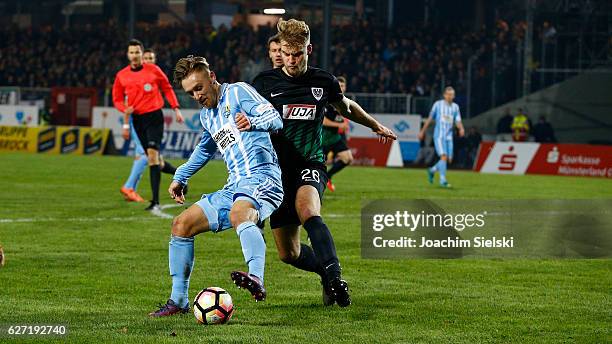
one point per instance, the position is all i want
(294, 176)
(339, 146)
(150, 128)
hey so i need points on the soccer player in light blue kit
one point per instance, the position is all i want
(237, 122)
(447, 115)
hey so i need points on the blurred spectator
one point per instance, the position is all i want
(543, 131)
(520, 127)
(504, 125)
(548, 31)
(406, 58)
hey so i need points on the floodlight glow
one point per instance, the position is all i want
(274, 11)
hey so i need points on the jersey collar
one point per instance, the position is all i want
(222, 92)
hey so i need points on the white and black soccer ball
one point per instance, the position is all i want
(213, 306)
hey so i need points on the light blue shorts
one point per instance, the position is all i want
(444, 146)
(263, 189)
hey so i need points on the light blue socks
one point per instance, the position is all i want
(138, 167)
(253, 248)
(180, 256)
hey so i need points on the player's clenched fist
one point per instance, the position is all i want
(176, 192)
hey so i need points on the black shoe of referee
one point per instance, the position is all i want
(340, 291)
(153, 207)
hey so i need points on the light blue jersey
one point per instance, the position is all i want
(445, 115)
(243, 152)
(254, 174)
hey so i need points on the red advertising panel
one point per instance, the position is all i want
(572, 160)
(368, 151)
(548, 158)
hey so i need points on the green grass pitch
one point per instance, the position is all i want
(77, 254)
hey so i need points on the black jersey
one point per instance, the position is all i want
(301, 102)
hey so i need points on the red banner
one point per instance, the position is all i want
(546, 158)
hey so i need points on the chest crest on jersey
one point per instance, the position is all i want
(148, 87)
(317, 92)
(227, 111)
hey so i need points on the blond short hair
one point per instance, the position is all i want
(295, 32)
(188, 65)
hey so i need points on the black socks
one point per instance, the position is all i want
(323, 246)
(154, 170)
(308, 261)
(168, 168)
(336, 167)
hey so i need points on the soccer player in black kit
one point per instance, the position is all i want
(300, 93)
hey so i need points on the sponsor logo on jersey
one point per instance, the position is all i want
(447, 118)
(226, 137)
(148, 87)
(317, 92)
(299, 111)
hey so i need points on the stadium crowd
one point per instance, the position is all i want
(407, 59)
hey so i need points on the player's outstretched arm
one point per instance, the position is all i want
(203, 152)
(353, 111)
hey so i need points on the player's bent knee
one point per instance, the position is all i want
(237, 217)
(181, 228)
(242, 212)
(153, 156)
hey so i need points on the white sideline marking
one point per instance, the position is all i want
(115, 218)
(160, 213)
(96, 219)
(75, 219)
(168, 206)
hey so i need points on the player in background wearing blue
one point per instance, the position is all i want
(237, 122)
(140, 158)
(447, 116)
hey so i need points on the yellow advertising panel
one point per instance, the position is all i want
(53, 140)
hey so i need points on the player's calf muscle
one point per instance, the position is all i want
(287, 243)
